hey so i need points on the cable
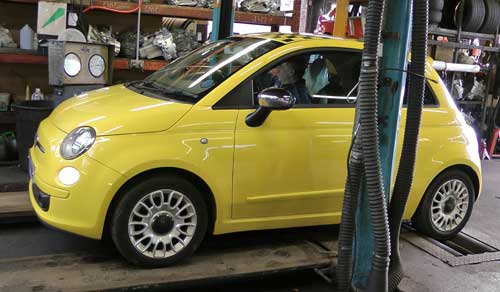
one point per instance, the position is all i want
(97, 7)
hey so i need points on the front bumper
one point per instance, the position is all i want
(80, 208)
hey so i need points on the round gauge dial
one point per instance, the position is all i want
(72, 64)
(97, 65)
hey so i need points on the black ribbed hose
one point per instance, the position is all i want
(368, 145)
(368, 118)
(404, 177)
(347, 224)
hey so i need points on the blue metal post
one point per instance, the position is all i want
(394, 64)
(222, 19)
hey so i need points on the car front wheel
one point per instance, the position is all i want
(159, 221)
(446, 206)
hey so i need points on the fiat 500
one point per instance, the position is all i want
(247, 133)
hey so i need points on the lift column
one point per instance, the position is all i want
(222, 19)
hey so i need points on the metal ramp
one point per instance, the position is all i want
(250, 254)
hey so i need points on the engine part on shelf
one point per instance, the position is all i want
(128, 42)
(478, 91)
(465, 59)
(469, 118)
(161, 43)
(183, 2)
(185, 41)
(172, 23)
(102, 34)
(458, 89)
(6, 39)
(72, 35)
(206, 3)
(260, 6)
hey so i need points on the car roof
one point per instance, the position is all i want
(288, 38)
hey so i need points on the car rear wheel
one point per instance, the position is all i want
(159, 221)
(446, 205)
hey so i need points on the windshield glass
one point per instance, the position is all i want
(191, 77)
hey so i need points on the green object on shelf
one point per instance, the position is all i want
(57, 14)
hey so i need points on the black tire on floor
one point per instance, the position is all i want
(126, 203)
(422, 219)
(474, 14)
(492, 18)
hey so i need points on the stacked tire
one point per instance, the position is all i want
(435, 12)
(478, 15)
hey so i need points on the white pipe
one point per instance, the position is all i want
(454, 67)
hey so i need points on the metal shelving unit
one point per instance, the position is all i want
(459, 35)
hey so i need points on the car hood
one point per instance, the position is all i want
(117, 110)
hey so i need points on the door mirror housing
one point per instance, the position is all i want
(270, 99)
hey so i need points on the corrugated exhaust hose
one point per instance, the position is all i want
(367, 144)
(404, 177)
(364, 159)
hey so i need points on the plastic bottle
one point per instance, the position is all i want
(37, 95)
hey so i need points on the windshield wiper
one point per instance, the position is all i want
(144, 85)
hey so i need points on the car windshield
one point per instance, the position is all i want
(191, 77)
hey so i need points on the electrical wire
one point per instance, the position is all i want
(97, 7)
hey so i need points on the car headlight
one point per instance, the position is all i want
(77, 142)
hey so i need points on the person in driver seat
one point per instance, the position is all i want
(289, 76)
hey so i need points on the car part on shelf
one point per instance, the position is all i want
(161, 43)
(185, 41)
(183, 2)
(128, 43)
(102, 34)
(6, 39)
(261, 6)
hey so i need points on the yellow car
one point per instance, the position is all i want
(247, 133)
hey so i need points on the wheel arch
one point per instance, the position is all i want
(467, 170)
(198, 182)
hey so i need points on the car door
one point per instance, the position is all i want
(294, 164)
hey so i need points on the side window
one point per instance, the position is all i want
(316, 78)
(240, 97)
(429, 98)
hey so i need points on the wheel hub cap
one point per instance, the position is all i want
(450, 205)
(162, 223)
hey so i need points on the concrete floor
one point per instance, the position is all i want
(423, 272)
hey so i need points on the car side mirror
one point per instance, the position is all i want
(270, 99)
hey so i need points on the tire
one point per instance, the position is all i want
(165, 237)
(436, 5)
(449, 14)
(423, 218)
(492, 19)
(474, 13)
(435, 17)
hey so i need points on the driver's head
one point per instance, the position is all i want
(289, 71)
